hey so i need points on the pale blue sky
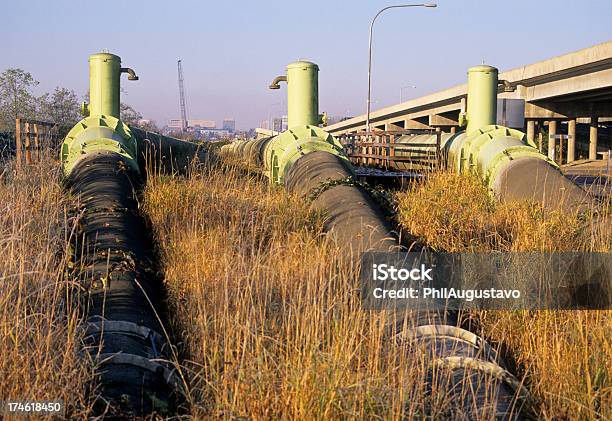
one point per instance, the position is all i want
(231, 50)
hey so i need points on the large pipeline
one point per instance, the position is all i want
(310, 162)
(509, 164)
(117, 264)
(157, 153)
(115, 260)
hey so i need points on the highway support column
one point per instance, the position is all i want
(530, 130)
(571, 140)
(593, 138)
(552, 133)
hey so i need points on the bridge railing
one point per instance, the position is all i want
(381, 149)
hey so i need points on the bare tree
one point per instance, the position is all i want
(129, 115)
(61, 107)
(16, 99)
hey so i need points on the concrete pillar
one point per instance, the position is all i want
(552, 132)
(531, 130)
(540, 141)
(593, 139)
(571, 140)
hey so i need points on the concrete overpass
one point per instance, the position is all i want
(574, 87)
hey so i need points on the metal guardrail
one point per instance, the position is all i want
(380, 149)
(34, 139)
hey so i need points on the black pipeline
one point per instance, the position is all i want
(116, 261)
(463, 366)
(310, 162)
(115, 258)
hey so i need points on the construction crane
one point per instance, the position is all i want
(182, 97)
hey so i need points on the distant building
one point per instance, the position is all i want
(229, 124)
(278, 124)
(177, 123)
(204, 124)
(215, 133)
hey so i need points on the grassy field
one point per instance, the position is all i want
(266, 312)
(267, 309)
(39, 317)
(566, 356)
(280, 334)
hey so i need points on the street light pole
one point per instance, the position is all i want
(397, 6)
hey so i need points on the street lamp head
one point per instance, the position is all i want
(397, 6)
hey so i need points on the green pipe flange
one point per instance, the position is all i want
(464, 151)
(511, 154)
(100, 133)
(286, 148)
(484, 151)
(226, 149)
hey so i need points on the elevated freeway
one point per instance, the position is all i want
(568, 89)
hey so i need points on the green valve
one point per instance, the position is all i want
(485, 148)
(481, 97)
(304, 136)
(286, 148)
(302, 93)
(104, 84)
(101, 130)
(97, 134)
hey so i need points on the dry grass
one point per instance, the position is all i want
(268, 310)
(39, 334)
(455, 213)
(566, 355)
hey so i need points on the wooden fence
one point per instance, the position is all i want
(381, 149)
(34, 140)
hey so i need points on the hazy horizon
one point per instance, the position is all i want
(232, 50)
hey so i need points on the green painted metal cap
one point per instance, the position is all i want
(104, 56)
(302, 64)
(483, 68)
